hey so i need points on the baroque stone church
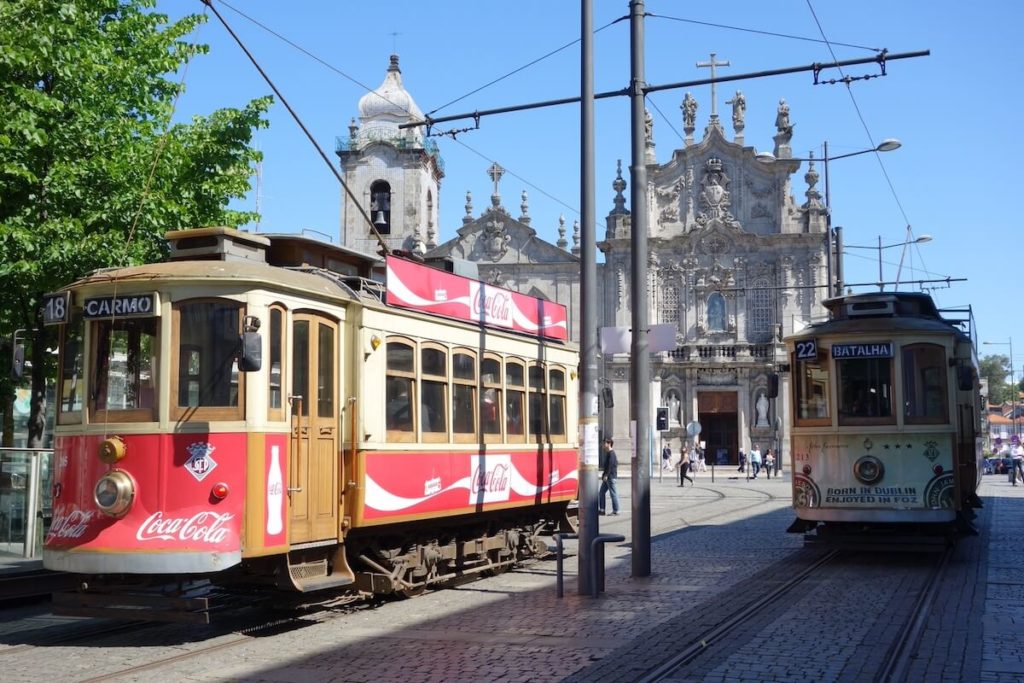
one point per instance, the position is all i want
(735, 261)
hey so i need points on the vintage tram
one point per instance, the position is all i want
(885, 433)
(272, 410)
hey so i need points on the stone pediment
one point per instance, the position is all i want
(496, 237)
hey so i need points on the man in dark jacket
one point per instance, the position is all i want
(609, 473)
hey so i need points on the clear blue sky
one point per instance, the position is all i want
(956, 112)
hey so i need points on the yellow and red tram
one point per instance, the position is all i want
(265, 409)
(885, 404)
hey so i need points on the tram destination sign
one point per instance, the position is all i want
(122, 306)
(872, 350)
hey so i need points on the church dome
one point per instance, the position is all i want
(391, 101)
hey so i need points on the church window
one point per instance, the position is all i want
(669, 304)
(716, 312)
(761, 309)
(380, 206)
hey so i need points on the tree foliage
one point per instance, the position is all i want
(92, 169)
(996, 369)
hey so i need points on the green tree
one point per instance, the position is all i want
(92, 169)
(996, 369)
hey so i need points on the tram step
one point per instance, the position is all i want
(313, 576)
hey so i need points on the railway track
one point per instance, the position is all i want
(766, 611)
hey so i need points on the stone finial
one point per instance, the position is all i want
(619, 184)
(811, 178)
(525, 217)
(562, 243)
(576, 238)
(495, 172)
(353, 129)
(468, 218)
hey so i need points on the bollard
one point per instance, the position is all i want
(597, 568)
(558, 560)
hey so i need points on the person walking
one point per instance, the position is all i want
(693, 457)
(755, 461)
(701, 465)
(609, 473)
(684, 467)
(769, 463)
(743, 462)
(666, 458)
(1018, 464)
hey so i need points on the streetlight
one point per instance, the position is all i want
(1013, 381)
(880, 247)
(887, 145)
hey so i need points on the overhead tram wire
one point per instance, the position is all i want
(298, 121)
(815, 67)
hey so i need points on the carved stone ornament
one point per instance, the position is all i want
(495, 239)
(714, 195)
(716, 378)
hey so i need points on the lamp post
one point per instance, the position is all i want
(880, 247)
(1013, 381)
(887, 145)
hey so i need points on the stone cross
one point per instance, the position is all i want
(495, 171)
(712, 64)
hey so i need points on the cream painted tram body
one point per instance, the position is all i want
(885, 405)
(222, 415)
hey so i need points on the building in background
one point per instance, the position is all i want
(735, 262)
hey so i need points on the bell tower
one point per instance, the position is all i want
(395, 173)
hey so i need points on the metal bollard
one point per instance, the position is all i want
(597, 566)
(558, 560)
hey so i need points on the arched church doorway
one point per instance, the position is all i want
(718, 415)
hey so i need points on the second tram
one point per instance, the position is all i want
(885, 435)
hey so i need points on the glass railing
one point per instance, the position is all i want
(26, 478)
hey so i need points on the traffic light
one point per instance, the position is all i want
(661, 421)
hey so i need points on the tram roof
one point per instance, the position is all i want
(876, 312)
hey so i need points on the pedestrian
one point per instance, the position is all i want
(609, 473)
(755, 460)
(1018, 464)
(701, 465)
(666, 458)
(743, 462)
(769, 463)
(684, 467)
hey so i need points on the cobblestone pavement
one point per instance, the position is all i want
(711, 543)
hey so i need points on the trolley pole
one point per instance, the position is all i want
(588, 520)
(640, 377)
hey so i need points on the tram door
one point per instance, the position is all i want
(717, 413)
(313, 466)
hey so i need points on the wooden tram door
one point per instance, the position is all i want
(717, 414)
(313, 466)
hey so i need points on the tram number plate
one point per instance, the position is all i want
(56, 308)
(807, 350)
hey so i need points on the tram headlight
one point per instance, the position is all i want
(868, 470)
(114, 493)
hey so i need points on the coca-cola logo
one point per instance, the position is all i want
(497, 305)
(202, 527)
(71, 525)
(490, 480)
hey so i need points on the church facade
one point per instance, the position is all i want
(735, 262)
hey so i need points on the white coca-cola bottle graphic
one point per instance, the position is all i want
(275, 494)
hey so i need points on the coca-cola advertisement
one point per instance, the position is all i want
(172, 507)
(422, 288)
(403, 484)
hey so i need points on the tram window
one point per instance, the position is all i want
(433, 394)
(464, 395)
(515, 402)
(865, 391)
(811, 387)
(556, 404)
(71, 381)
(208, 374)
(125, 372)
(300, 366)
(325, 372)
(490, 411)
(275, 396)
(537, 408)
(399, 391)
(924, 384)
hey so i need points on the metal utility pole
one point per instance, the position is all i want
(640, 375)
(588, 460)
